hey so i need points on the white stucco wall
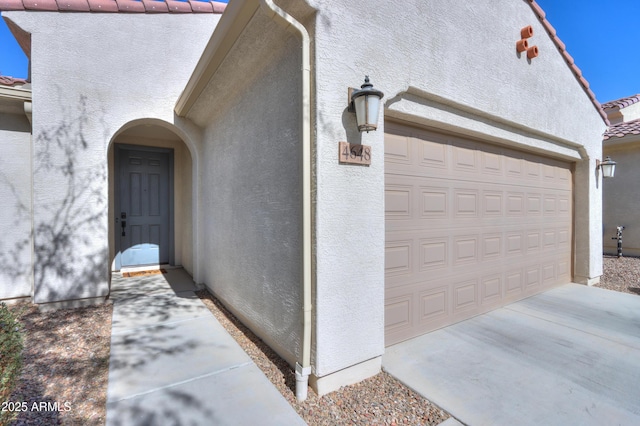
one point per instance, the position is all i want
(251, 184)
(91, 75)
(621, 203)
(449, 65)
(15, 214)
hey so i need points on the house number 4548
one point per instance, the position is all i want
(354, 154)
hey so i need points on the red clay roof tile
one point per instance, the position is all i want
(563, 49)
(155, 6)
(11, 5)
(177, 6)
(74, 5)
(218, 7)
(11, 81)
(130, 6)
(40, 5)
(621, 130)
(201, 6)
(103, 5)
(622, 103)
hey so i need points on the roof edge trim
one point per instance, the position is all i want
(15, 93)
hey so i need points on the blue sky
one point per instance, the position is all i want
(601, 35)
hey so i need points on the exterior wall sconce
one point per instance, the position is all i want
(608, 167)
(365, 102)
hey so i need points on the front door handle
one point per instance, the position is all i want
(123, 223)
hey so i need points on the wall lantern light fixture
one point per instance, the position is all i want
(608, 167)
(365, 102)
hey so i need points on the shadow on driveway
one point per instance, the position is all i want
(569, 356)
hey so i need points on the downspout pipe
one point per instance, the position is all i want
(303, 365)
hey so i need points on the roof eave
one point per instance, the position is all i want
(15, 93)
(236, 17)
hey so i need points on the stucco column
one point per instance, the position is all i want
(588, 222)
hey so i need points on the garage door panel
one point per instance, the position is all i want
(433, 305)
(398, 257)
(434, 154)
(469, 227)
(412, 252)
(491, 289)
(398, 312)
(397, 150)
(398, 200)
(465, 295)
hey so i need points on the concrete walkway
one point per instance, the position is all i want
(569, 356)
(172, 363)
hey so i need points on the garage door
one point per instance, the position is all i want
(470, 227)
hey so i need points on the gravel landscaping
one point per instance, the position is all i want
(379, 400)
(621, 274)
(66, 362)
(65, 366)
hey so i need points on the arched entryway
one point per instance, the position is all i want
(150, 198)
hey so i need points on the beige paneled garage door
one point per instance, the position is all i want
(469, 227)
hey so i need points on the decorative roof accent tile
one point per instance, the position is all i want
(563, 50)
(622, 103)
(11, 81)
(621, 130)
(127, 6)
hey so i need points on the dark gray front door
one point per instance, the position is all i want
(144, 206)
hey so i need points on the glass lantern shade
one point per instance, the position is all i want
(367, 106)
(608, 167)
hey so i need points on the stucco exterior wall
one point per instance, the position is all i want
(621, 202)
(16, 212)
(448, 65)
(251, 181)
(92, 74)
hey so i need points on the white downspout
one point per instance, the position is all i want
(303, 366)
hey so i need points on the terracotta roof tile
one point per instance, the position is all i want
(131, 6)
(201, 6)
(178, 6)
(621, 130)
(155, 6)
(40, 5)
(103, 5)
(11, 5)
(11, 81)
(75, 5)
(622, 103)
(563, 49)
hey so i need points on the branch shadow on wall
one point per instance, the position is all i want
(69, 239)
(14, 256)
(70, 209)
(15, 215)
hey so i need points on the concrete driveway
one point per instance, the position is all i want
(569, 356)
